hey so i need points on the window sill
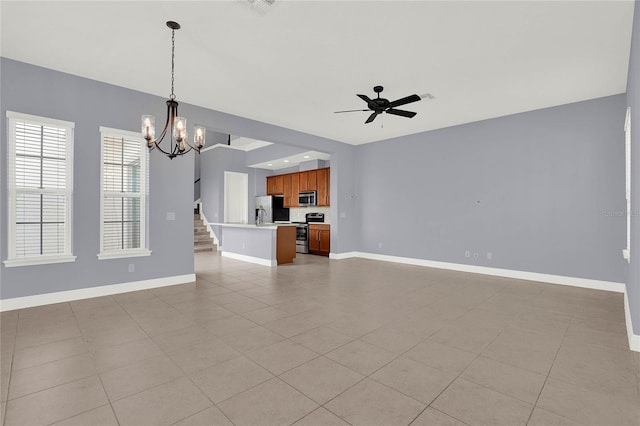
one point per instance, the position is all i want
(120, 254)
(38, 260)
(626, 253)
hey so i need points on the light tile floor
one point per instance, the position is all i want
(323, 342)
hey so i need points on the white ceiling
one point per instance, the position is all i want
(291, 161)
(248, 144)
(296, 64)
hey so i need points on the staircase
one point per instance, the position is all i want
(201, 238)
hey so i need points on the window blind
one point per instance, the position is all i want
(40, 200)
(123, 192)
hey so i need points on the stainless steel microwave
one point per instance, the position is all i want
(307, 198)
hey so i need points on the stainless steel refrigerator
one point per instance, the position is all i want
(270, 209)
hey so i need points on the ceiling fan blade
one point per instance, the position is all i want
(404, 101)
(371, 117)
(372, 105)
(401, 112)
(351, 110)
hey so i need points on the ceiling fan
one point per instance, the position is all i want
(379, 105)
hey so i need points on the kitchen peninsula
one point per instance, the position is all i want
(270, 244)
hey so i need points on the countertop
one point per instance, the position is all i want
(253, 225)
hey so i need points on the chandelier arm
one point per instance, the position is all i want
(157, 145)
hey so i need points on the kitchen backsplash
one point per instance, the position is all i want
(296, 214)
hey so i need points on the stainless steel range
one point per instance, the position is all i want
(302, 231)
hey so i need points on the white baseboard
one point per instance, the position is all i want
(340, 256)
(507, 273)
(251, 259)
(86, 293)
(634, 339)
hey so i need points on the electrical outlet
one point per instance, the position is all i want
(132, 267)
(343, 215)
(171, 215)
(476, 255)
(467, 253)
(380, 245)
(489, 255)
(243, 245)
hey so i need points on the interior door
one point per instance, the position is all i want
(236, 197)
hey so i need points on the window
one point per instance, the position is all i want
(124, 193)
(626, 253)
(40, 188)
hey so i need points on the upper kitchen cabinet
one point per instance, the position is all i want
(323, 195)
(295, 189)
(286, 186)
(308, 180)
(275, 185)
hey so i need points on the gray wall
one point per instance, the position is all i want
(34, 90)
(90, 104)
(214, 163)
(633, 100)
(534, 189)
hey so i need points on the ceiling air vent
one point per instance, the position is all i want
(260, 6)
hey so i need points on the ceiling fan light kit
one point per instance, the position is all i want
(175, 125)
(379, 105)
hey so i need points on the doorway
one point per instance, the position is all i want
(236, 197)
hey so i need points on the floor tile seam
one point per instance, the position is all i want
(186, 346)
(459, 376)
(106, 395)
(295, 335)
(549, 371)
(320, 407)
(622, 399)
(439, 411)
(497, 391)
(94, 370)
(77, 379)
(81, 413)
(189, 374)
(123, 367)
(331, 350)
(13, 351)
(427, 404)
(131, 316)
(209, 399)
(86, 352)
(600, 366)
(292, 368)
(273, 376)
(92, 352)
(66, 382)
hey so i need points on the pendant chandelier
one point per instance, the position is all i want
(175, 127)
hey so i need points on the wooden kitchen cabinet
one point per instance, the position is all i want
(286, 188)
(308, 180)
(319, 239)
(295, 188)
(291, 184)
(275, 185)
(323, 195)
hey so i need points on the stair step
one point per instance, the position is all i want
(201, 237)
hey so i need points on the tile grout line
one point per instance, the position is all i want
(13, 350)
(564, 335)
(456, 378)
(93, 365)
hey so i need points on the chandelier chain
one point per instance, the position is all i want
(173, 48)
